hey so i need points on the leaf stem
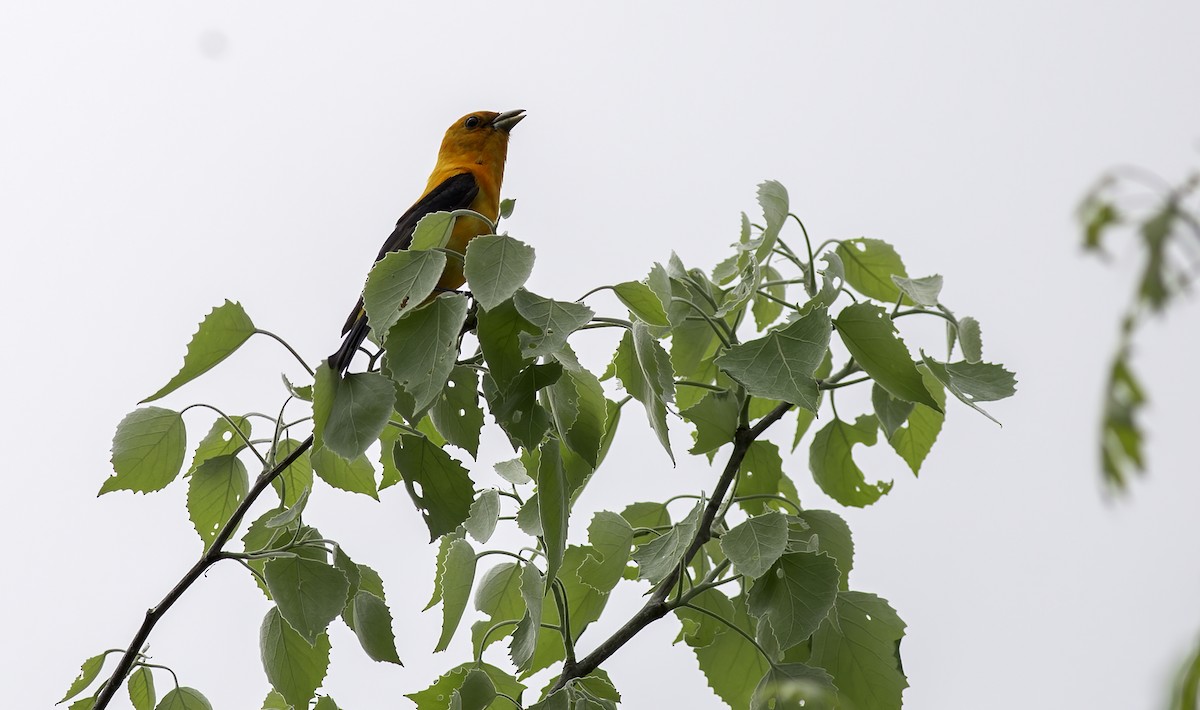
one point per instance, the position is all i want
(847, 383)
(564, 616)
(290, 349)
(719, 328)
(926, 311)
(236, 429)
(701, 385)
(733, 626)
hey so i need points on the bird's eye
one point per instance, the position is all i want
(473, 122)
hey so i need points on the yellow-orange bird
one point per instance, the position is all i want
(469, 170)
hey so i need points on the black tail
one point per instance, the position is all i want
(340, 360)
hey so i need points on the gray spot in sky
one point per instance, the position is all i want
(213, 43)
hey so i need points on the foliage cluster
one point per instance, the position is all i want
(759, 583)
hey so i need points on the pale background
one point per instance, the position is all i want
(160, 157)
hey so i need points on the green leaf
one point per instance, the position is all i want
(87, 673)
(716, 420)
(373, 627)
(458, 576)
(221, 332)
(141, 689)
(275, 701)
(361, 408)
(922, 291)
(915, 439)
(773, 198)
(309, 594)
(891, 412)
(440, 566)
(766, 311)
(834, 469)
(870, 336)
(971, 339)
(792, 686)
(516, 409)
(524, 641)
(297, 477)
(642, 302)
(755, 545)
(730, 663)
(743, 291)
(325, 703)
(506, 208)
(325, 387)
(147, 451)
(304, 392)
(795, 595)
(579, 410)
(83, 703)
(294, 667)
(859, 645)
(484, 513)
(498, 596)
(182, 698)
(833, 539)
(399, 283)
(220, 440)
(438, 696)
(645, 372)
(611, 537)
(646, 515)
(693, 344)
(761, 473)
(456, 412)
(833, 280)
(214, 491)
(476, 692)
(870, 265)
(657, 558)
(433, 231)
(780, 365)
(499, 330)
(496, 266)
(422, 346)
(438, 484)
(973, 382)
(554, 321)
(513, 471)
(357, 476)
(804, 420)
(553, 507)
(1120, 435)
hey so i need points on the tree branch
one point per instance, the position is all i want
(214, 554)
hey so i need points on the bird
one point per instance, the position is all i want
(467, 175)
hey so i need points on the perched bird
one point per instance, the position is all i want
(469, 170)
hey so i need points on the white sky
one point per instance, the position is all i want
(159, 158)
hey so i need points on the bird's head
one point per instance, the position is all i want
(480, 137)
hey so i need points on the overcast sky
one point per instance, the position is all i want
(158, 158)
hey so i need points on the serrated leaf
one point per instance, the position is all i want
(373, 627)
(141, 689)
(524, 641)
(513, 471)
(297, 477)
(554, 321)
(433, 231)
(923, 291)
(767, 310)
(220, 440)
(294, 667)
(657, 558)
(399, 283)
(773, 198)
(970, 339)
(439, 485)
(499, 330)
(643, 302)
(440, 565)
(870, 336)
(458, 576)
(221, 333)
(516, 409)
(833, 539)
(761, 473)
(422, 346)
(579, 410)
(476, 692)
(496, 266)
(859, 646)
(793, 686)
(869, 267)
(795, 595)
(304, 392)
(730, 663)
(214, 491)
(147, 451)
(915, 439)
(553, 507)
(362, 405)
(833, 279)
(780, 365)
(484, 512)
(275, 701)
(183, 698)
(357, 476)
(325, 703)
(834, 469)
(498, 597)
(308, 593)
(754, 545)
(87, 673)
(644, 370)
(456, 412)
(716, 420)
(438, 696)
(973, 382)
(611, 538)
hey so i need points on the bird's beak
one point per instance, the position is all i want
(505, 121)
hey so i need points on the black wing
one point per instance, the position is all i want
(455, 193)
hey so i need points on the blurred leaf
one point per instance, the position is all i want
(780, 365)
(294, 667)
(147, 451)
(399, 283)
(496, 266)
(438, 484)
(833, 468)
(869, 266)
(506, 208)
(221, 333)
(1120, 435)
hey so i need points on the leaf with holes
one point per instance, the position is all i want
(456, 412)
(214, 491)
(869, 266)
(871, 338)
(859, 645)
(399, 283)
(973, 382)
(422, 346)
(438, 484)
(795, 595)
